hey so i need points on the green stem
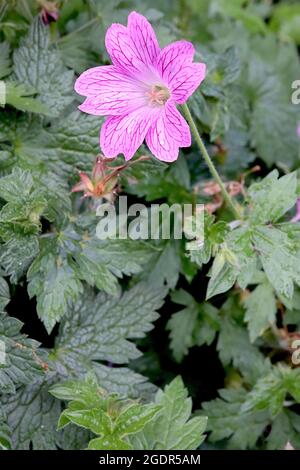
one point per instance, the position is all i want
(209, 162)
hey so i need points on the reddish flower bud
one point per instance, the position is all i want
(49, 12)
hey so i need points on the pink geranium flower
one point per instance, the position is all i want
(139, 92)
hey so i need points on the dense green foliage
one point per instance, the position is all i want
(108, 325)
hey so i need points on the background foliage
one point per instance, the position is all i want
(92, 328)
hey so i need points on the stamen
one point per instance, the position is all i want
(159, 94)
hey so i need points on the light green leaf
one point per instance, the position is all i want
(214, 235)
(260, 310)
(17, 254)
(279, 255)
(18, 96)
(38, 64)
(172, 428)
(222, 276)
(235, 261)
(237, 10)
(16, 186)
(21, 215)
(285, 428)
(270, 390)
(286, 20)
(225, 421)
(93, 419)
(272, 197)
(100, 261)
(134, 418)
(105, 414)
(109, 442)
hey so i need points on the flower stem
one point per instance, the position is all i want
(209, 162)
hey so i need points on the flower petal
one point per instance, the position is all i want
(135, 49)
(125, 134)
(173, 57)
(85, 179)
(179, 72)
(109, 91)
(143, 38)
(187, 81)
(168, 133)
(78, 187)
